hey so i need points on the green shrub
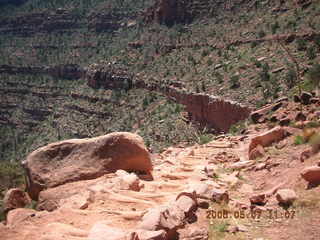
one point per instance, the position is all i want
(298, 140)
(301, 44)
(290, 77)
(234, 81)
(311, 53)
(204, 138)
(261, 33)
(264, 74)
(205, 53)
(219, 77)
(237, 128)
(317, 40)
(274, 27)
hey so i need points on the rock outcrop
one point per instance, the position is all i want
(64, 71)
(208, 110)
(15, 198)
(81, 159)
(169, 12)
(14, 2)
(108, 76)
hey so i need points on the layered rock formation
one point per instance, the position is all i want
(14, 2)
(210, 111)
(64, 71)
(62, 20)
(181, 11)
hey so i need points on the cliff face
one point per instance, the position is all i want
(209, 111)
(14, 2)
(169, 12)
(64, 71)
(61, 20)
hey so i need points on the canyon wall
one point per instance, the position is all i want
(208, 110)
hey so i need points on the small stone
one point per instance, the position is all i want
(187, 204)
(220, 195)
(163, 217)
(257, 152)
(258, 199)
(260, 166)
(305, 97)
(126, 181)
(300, 117)
(210, 193)
(274, 118)
(276, 106)
(314, 100)
(258, 116)
(284, 121)
(305, 155)
(209, 170)
(241, 164)
(296, 99)
(311, 174)
(286, 196)
(232, 229)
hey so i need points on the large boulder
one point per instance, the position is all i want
(267, 138)
(81, 159)
(311, 174)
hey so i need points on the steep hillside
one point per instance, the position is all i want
(250, 52)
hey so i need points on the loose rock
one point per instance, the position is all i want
(300, 117)
(163, 217)
(126, 181)
(15, 198)
(311, 174)
(258, 199)
(267, 138)
(305, 97)
(286, 196)
(186, 204)
(257, 152)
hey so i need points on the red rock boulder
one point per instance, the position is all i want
(81, 159)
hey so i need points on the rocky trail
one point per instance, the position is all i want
(100, 200)
(234, 187)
